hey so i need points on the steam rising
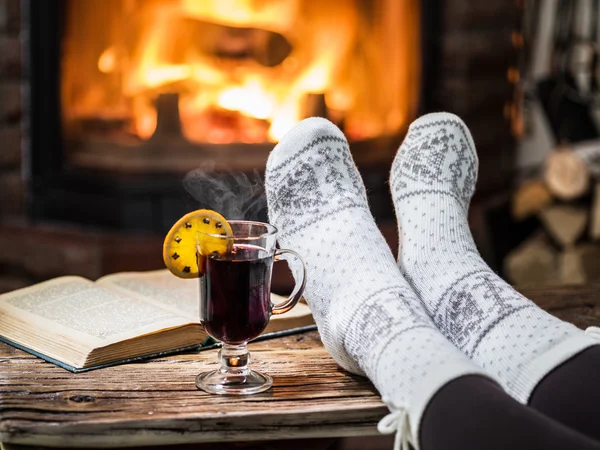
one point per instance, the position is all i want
(233, 195)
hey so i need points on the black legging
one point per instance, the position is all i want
(570, 393)
(473, 413)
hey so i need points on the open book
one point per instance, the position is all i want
(80, 324)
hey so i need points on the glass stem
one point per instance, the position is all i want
(234, 359)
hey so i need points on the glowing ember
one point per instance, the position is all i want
(251, 100)
(107, 62)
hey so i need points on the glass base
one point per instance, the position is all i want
(243, 382)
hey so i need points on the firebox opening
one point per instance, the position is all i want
(165, 83)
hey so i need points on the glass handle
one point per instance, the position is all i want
(298, 289)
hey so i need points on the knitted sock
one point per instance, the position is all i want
(368, 317)
(432, 181)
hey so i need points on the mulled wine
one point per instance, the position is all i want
(235, 301)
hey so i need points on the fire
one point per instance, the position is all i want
(158, 76)
(251, 100)
(107, 62)
(244, 69)
(273, 94)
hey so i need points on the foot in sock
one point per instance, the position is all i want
(368, 316)
(432, 180)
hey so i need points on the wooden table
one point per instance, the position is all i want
(157, 403)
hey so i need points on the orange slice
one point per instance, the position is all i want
(190, 236)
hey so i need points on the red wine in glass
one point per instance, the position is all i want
(235, 300)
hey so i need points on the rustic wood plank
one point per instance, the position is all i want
(157, 403)
(287, 444)
(564, 297)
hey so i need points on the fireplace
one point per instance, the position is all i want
(129, 95)
(206, 74)
(84, 191)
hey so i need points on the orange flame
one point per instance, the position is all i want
(360, 55)
(107, 62)
(274, 94)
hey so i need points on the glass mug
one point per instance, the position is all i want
(235, 303)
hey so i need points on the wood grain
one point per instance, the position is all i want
(555, 299)
(157, 403)
(566, 175)
(579, 305)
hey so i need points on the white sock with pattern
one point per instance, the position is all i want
(432, 181)
(368, 316)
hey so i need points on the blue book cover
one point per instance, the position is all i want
(208, 344)
(82, 325)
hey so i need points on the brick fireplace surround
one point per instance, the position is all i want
(12, 185)
(476, 51)
(33, 252)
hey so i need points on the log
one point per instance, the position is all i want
(569, 169)
(580, 265)
(565, 223)
(534, 262)
(571, 270)
(566, 175)
(590, 261)
(265, 47)
(314, 106)
(530, 198)
(595, 213)
(168, 122)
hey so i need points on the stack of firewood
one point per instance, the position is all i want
(565, 198)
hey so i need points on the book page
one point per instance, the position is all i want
(181, 296)
(84, 310)
(178, 295)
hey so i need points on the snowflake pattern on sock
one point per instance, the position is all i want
(480, 313)
(331, 156)
(369, 318)
(434, 152)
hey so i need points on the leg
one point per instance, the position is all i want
(369, 318)
(570, 394)
(372, 322)
(433, 179)
(473, 413)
